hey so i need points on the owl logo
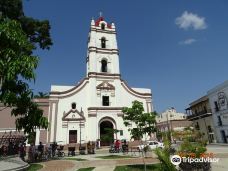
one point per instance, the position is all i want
(222, 99)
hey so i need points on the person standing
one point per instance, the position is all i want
(40, 151)
(31, 153)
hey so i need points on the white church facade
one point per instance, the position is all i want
(82, 112)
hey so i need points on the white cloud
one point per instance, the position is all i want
(190, 20)
(188, 41)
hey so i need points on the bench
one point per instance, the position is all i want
(134, 149)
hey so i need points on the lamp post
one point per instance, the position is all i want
(169, 123)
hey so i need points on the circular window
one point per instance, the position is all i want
(73, 105)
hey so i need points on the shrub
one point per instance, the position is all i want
(187, 149)
(164, 157)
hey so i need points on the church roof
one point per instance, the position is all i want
(97, 22)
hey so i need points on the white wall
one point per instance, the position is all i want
(223, 110)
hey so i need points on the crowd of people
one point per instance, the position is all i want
(119, 147)
(35, 153)
(41, 152)
(12, 147)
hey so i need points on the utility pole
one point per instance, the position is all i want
(167, 122)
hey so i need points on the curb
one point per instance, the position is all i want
(221, 144)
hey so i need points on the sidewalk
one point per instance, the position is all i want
(12, 164)
(92, 161)
(222, 144)
(104, 168)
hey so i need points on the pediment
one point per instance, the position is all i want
(105, 86)
(73, 115)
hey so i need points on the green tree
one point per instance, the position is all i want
(19, 37)
(41, 95)
(109, 136)
(143, 123)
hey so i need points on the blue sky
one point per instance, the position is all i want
(177, 48)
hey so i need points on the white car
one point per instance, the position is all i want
(152, 145)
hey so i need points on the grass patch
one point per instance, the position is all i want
(73, 158)
(114, 157)
(154, 167)
(34, 167)
(86, 169)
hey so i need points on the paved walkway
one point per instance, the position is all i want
(104, 168)
(12, 163)
(100, 165)
(105, 164)
(92, 161)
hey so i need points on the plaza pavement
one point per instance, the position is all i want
(220, 151)
(92, 161)
(13, 164)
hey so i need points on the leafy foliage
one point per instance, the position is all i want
(109, 136)
(144, 122)
(41, 95)
(193, 150)
(164, 157)
(36, 31)
(19, 36)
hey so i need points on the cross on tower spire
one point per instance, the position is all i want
(100, 13)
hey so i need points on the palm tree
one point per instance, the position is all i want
(41, 95)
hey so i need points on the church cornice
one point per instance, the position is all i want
(71, 91)
(105, 108)
(103, 31)
(102, 50)
(133, 92)
(102, 75)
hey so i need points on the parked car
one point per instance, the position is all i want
(152, 145)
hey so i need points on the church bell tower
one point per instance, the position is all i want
(102, 54)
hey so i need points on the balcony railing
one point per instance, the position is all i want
(200, 114)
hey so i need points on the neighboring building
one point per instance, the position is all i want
(172, 120)
(200, 114)
(7, 122)
(219, 105)
(84, 111)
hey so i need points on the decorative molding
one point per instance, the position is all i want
(103, 49)
(105, 108)
(103, 31)
(72, 89)
(133, 92)
(97, 74)
(81, 114)
(61, 95)
(105, 85)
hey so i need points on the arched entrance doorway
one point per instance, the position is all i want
(106, 133)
